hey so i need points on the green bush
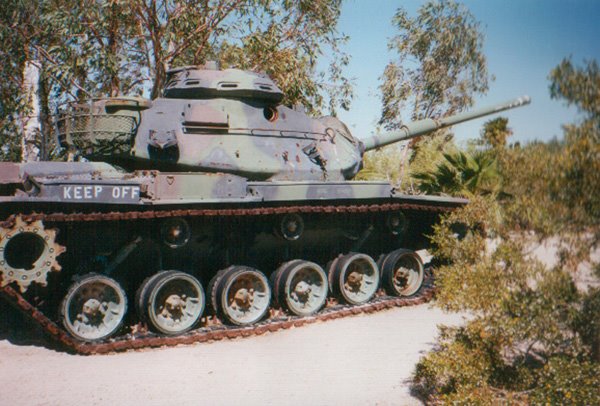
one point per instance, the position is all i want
(522, 317)
(532, 335)
(565, 380)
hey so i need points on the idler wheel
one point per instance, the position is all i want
(171, 302)
(300, 287)
(28, 252)
(401, 272)
(240, 295)
(353, 277)
(93, 308)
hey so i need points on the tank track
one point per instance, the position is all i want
(212, 329)
(155, 214)
(216, 332)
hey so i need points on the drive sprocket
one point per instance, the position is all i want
(28, 252)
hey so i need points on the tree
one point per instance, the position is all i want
(24, 82)
(577, 86)
(182, 31)
(287, 45)
(495, 133)
(440, 65)
(439, 68)
(139, 40)
(578, 187)
(461, 174)
(98, 48)
(91, 49)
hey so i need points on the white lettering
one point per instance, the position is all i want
(91, 192)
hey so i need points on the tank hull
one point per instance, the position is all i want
(117, 225)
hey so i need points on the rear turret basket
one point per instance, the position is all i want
(101, 127)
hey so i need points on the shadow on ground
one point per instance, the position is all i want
(20, 330)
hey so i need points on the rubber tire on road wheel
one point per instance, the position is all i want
(119, 309)
(338, 271)
(223, 282)
(146, 296)
(281, 284)
(389, 267)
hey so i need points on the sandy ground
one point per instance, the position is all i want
(362, 360)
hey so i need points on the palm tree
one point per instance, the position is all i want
(462, 174)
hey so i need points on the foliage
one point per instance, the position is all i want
(14, 15)
(532, 333)
(382, 164)
(440, 63)
(466, 381)
(587, 324)
(566, 380)
(91, 48)
(439, 68)
(97, 48)
(526, 175)
(386, 163)
(287, 48)
(522, 315)
(110, 43)
(461, 174)
(495, 133)
(469, 172)
(578, 185)
(577, 86)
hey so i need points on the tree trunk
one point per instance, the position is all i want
(31, 124)
(46, 125)
(158, 80)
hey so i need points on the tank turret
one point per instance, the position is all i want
(232, 121)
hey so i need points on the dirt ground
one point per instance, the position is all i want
(361, 360)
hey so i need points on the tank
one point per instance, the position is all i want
(211, 211)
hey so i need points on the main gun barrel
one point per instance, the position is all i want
(420, 127)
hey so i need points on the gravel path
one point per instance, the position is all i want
(362, 360)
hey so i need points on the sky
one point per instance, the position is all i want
(524, 40)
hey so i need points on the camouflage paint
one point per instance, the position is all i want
(231, 121)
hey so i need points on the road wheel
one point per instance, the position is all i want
(93, 308)
(242, 295)
(171, 302)
(402, 272)
(354, 278)
(300, 287)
